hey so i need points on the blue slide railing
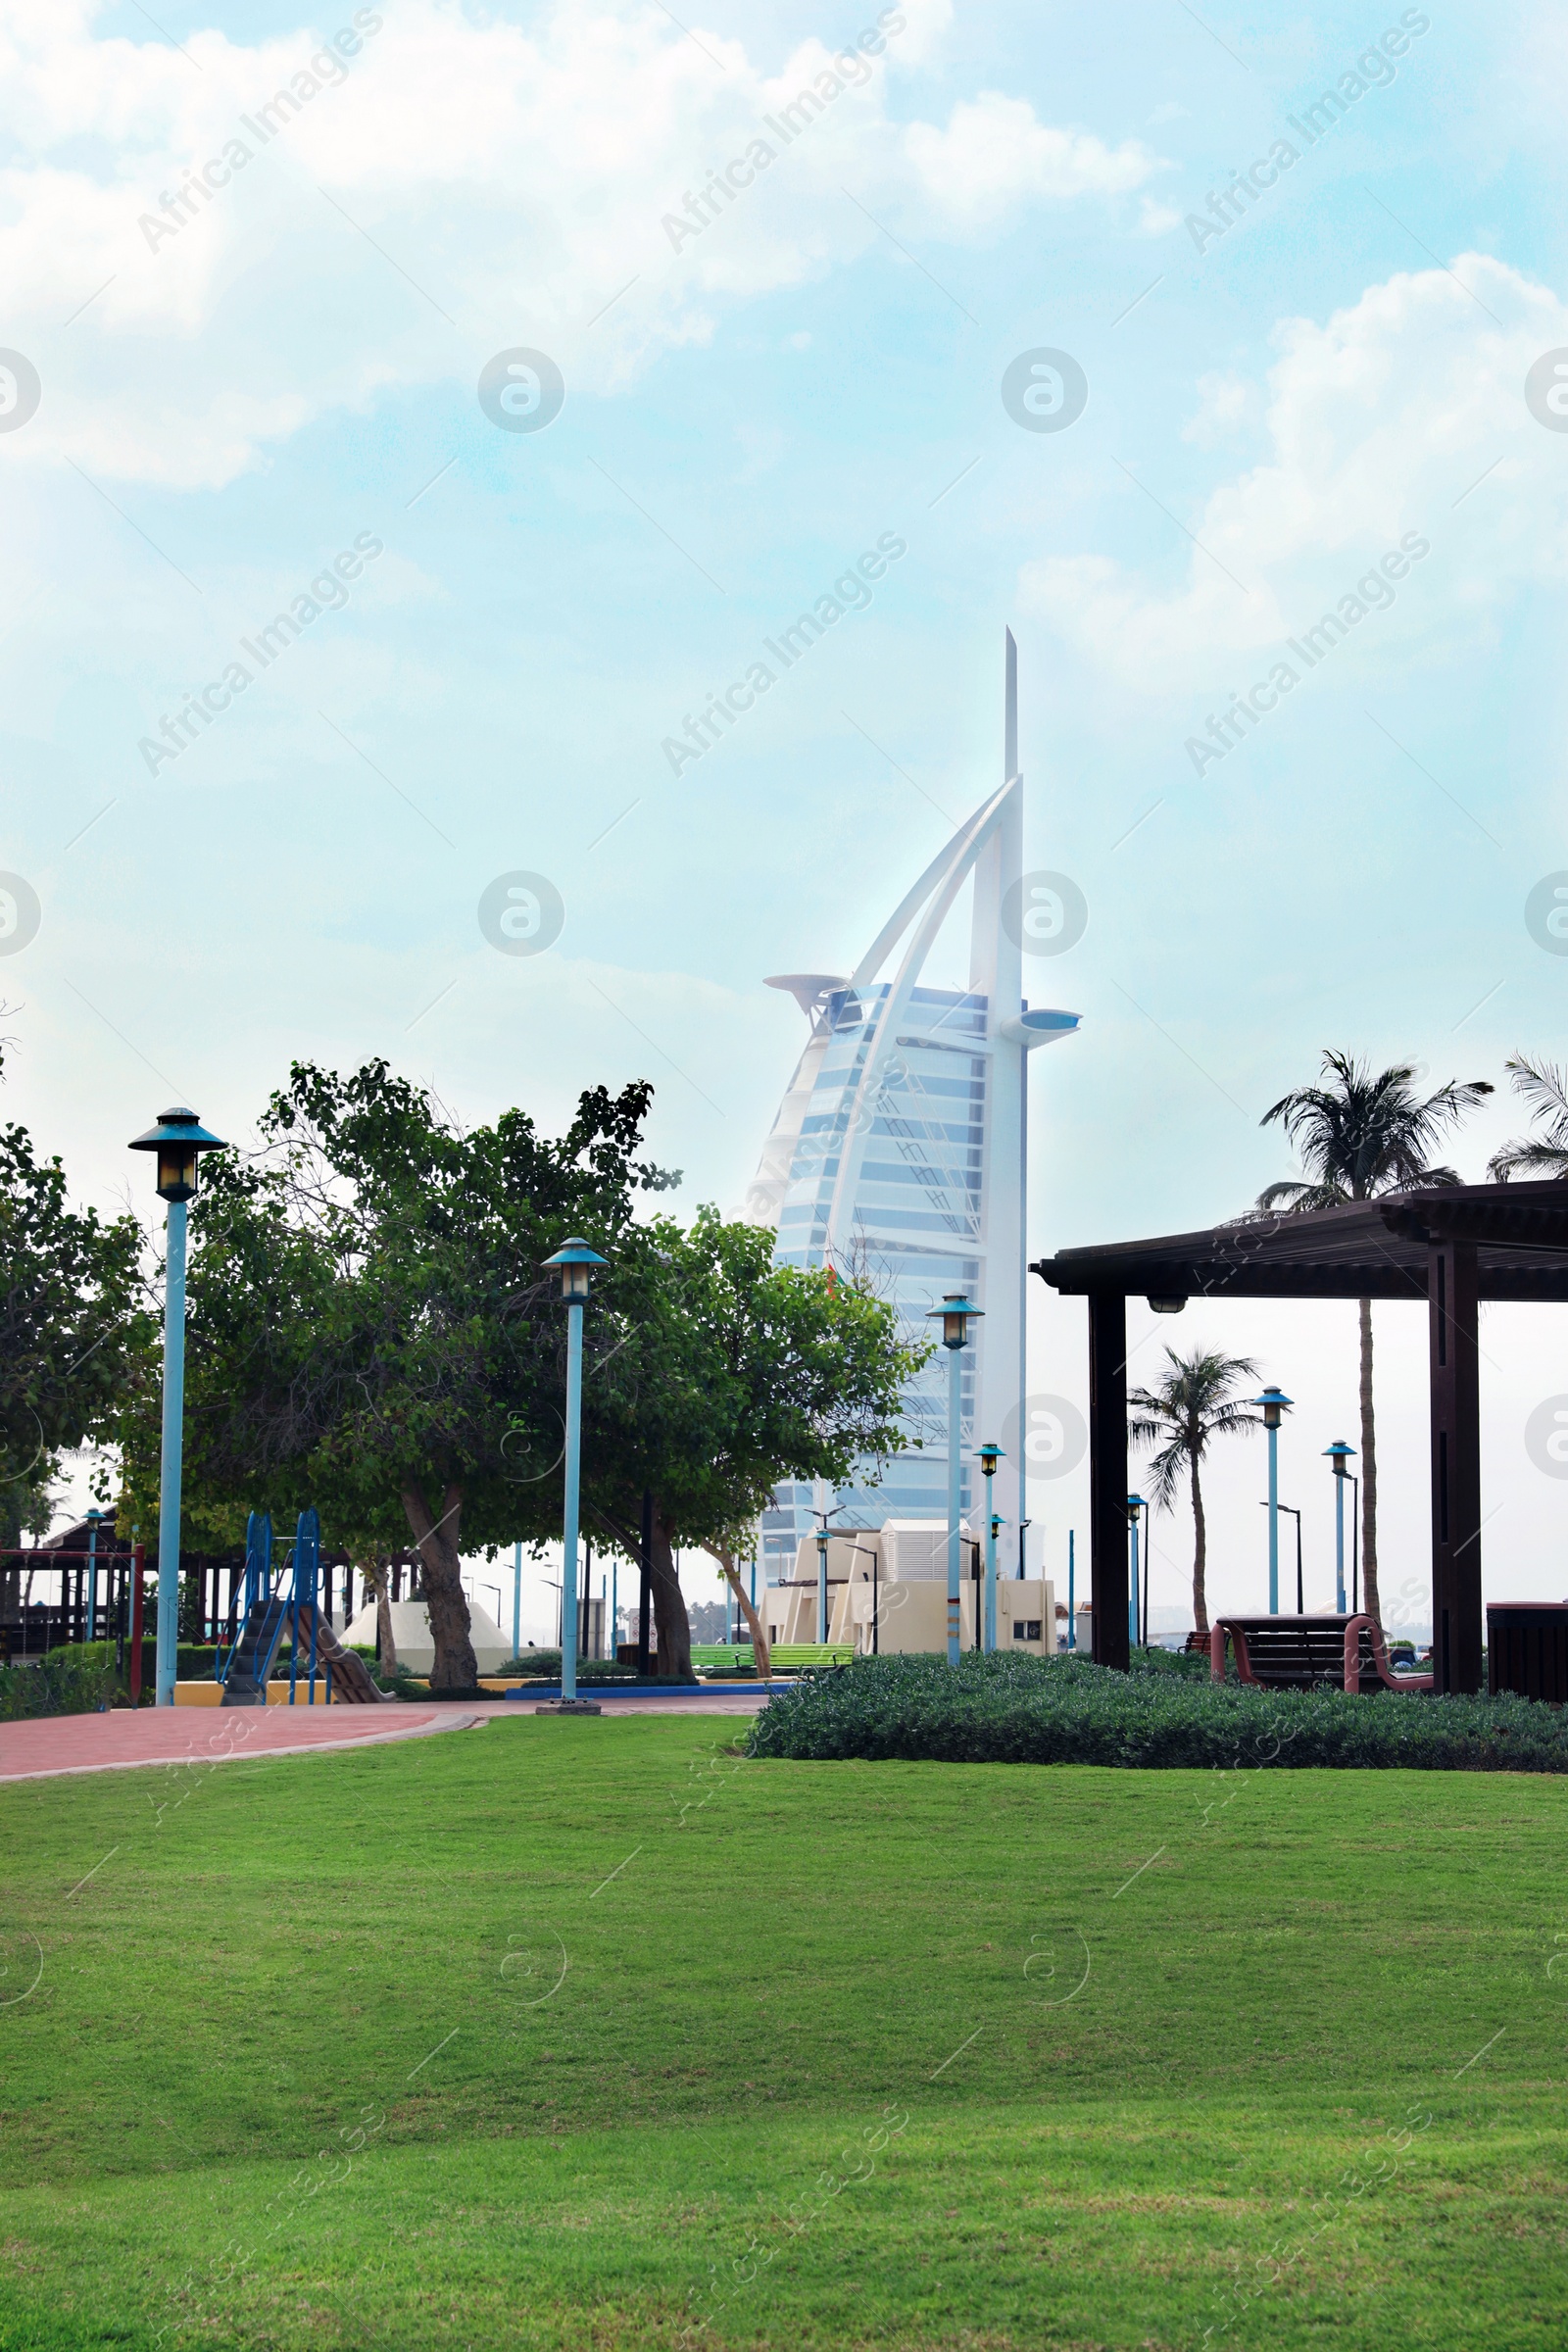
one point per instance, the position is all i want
(271, 1604)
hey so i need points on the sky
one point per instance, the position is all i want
(570, 355)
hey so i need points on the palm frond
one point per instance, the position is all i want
(1191, 1403)
(1362, 1134)
(1544, 1085)
(1292, 1193)
(1529, 1155)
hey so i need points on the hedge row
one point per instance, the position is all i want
(67, 1682)
(1010, 1708)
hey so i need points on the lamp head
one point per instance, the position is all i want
(176, 1139)
(1133, 1506)
(955, 1314)
(1167, 1306)
(1341, 1455)
(990, 1456)
(1274, 1402)
(576, 1263)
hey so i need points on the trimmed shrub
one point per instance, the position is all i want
(67, 1682)
(544, 1666)
(1010, 1708)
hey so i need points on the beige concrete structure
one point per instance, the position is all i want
(411, 1631)
(888, 1590)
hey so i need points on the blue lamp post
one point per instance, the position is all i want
(955, 1314)
(990, 1456)
(178, 1139)
(1341, 1455)
(577, 1262)
(1274, 1403)
(1134, 1504)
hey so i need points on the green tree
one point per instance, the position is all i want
(1358, 1136)
(1544, 1085)
(716, 1373)
(76, 1328)
(1189, 1406)
(370, 1328)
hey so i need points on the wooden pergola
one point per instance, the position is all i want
(1452, 1247)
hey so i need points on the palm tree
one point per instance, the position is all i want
(1191, 1405)
(1544, 1086)
(1356, 1137)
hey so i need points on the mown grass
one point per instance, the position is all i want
(373, 2050)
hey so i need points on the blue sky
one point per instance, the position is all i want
(226, 410)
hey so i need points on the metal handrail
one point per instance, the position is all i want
(258, 1584)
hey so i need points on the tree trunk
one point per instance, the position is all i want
(754, 1623)
(1199, 1557)
(669, 1607)
(1369, 1473)
(377, 1575)
(456, 1668)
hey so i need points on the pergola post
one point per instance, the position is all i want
(1107, 1475)
(1452, 1318)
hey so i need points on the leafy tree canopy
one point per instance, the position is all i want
(716, 1373)
(370, 1328)
(76, 1331)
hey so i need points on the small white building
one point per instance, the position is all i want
(887, 1592)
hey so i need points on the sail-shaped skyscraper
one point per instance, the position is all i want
(900, 1151)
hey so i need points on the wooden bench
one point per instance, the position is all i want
(1304, 1654)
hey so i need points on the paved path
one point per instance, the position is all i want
(57, 1743)
(62, 1743)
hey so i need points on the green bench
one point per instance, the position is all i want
(787, 1656)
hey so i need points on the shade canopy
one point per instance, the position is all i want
(1366, 1250)
(1444, 1247)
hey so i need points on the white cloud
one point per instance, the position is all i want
(1380, 421)
(510, 183)
(995, 152)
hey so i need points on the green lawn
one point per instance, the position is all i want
(372, 2050)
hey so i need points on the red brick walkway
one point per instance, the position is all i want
(56, 1743)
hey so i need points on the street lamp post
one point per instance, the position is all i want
(1341, 1455)
(1072, 1599)
(577, 1262)
(1274, 1402)
(990, 1456)
(178, 1139)
(516, 1599)
(1134, 1504)
(955, 1314)
(821, 1569)
(1355, 1547)
(1292, 1513)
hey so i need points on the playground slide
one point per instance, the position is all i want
(353, 1683)
(245, 1684)
(250, 1661)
